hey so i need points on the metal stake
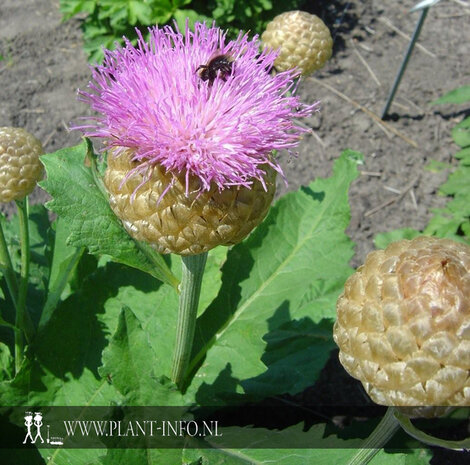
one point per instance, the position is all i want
(401, 71)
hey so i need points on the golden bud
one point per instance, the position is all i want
(20, 168)
(403, 324)
(304, 41)
(179, 223)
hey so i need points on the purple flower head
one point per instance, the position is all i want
(157, 100)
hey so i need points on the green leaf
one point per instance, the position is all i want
(454, 218)
(7, 368)
(131, 363)
(143, 457)
(113, 10)
(38, 236)
(458, 182)
(80, 203)
(326, 447)
(139, 12)
(71, 456)
(461, 133)
(191, 16)
(6, 324)
(64, 260)
(62, 363)
(155, 307)
(436, 166)
(180, 3)
(382, 240)
(292, 267)
(266, 4)
(460, 95)
(301, 457)
(300, 344)
(212, 277)
(70, 8)
(464, 155)
(162, 11)
(446, 226)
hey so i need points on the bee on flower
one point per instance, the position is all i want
(218, 66)
(191, 122)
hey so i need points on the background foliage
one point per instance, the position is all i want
(453, 220)
(107, 21)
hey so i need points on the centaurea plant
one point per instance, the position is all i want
(191, 162)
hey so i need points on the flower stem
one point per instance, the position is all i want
(23, 214)
(414, 432)
(383, 432)
(7, 268)
(193, 271)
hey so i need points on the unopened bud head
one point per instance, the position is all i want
(403, 324)
(20, 168)
(303, 39)
(161, 212)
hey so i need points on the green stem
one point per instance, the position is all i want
(379, 437)
(7, 267)
(192, 273)
(421, 436)
(23, 214)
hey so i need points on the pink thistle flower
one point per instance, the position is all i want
(153, 100)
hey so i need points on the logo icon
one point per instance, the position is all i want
(33, 423)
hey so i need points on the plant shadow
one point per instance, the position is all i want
(74, 338)
(338, 15)
(295, 355)
(296, 351)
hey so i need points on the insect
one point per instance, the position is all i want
(220, 65)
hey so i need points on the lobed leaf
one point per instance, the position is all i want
(62, 363)
(82, 206)
(328, 446)
(130, 361)
(289, 271)
(154, 306)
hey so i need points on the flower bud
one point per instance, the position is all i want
(304, 41)
(20, 168)
(158, 210)
(403, 324)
